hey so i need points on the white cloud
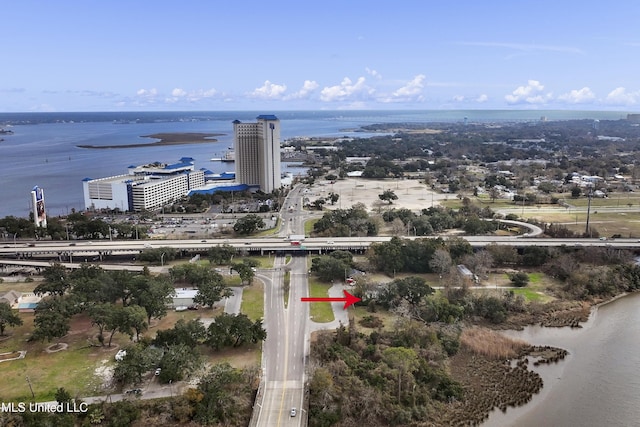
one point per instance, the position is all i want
(307, 89)
(373, 73)
(269, 91)
(346, 89)
(147, 93)
(620, 96)
(479, 99)
(193, 96)
(579, 96)
(412, 89)
(410, 92)
(532, 93)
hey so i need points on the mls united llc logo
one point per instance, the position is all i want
(20, 407)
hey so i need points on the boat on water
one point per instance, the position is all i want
(228, 156)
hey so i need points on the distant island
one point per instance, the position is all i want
(169, 138)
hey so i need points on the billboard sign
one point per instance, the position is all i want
(39, 213)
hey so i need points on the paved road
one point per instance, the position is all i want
(286, 348)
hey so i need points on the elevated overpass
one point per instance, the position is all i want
(101, 250)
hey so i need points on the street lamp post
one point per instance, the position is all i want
(162, 259)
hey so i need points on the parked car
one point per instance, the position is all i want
(158, 370)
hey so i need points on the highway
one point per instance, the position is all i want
(286, 348)
(265, 245)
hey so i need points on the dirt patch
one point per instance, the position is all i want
(80, 324)
(105, 373)
(243, 357)
(412, 194)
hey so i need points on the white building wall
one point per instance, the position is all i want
(257, 149)
(106, 193)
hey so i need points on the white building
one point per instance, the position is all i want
(144, 187)
(257, 148)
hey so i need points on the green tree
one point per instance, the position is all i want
(412, 289)
(576, 192)
(248, 224)
(217, 401)
(160, 255)
(191, 334)
(178, 362)
(333, 198)
(234, 330)
(50, 323)
(133, 318)
(329, 268)
(519, 279)
(221, 254)
(388, 196)
(153, 293)
(138, 360)
(405, 360)
(56, 281)
(212, 291)
(8, 317)
(244, 270)
(387, 256)
(101, 316)
(62, 395)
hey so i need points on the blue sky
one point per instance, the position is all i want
(121, 55)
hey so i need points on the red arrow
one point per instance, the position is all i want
(348, 299)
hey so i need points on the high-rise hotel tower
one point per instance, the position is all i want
(257, 150)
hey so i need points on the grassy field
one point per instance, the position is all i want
(605, 215)
(320, 312)
(287, 286)
(77, 368)
(308, 226)
(388, 319)
(253, 301)
(266, 261)
(73, 368)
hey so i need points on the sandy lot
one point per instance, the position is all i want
(412, 194)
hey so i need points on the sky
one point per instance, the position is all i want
(160, 55)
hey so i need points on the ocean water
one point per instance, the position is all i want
(43, 148)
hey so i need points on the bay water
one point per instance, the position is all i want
(597, 384)
(43, 147)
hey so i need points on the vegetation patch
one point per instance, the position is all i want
(320, 312)
(531, 295)
(253, 301)
(490, 344)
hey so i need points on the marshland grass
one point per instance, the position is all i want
(491, 344)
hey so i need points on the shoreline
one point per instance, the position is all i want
(168, 138)
(532, 404)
